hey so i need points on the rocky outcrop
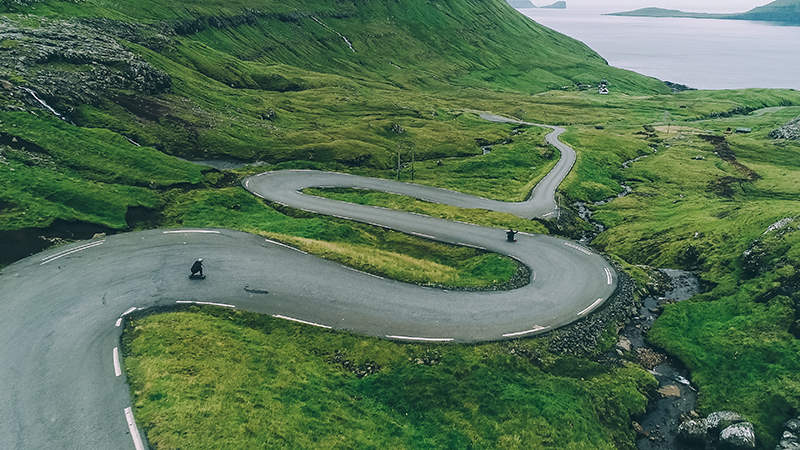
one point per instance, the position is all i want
(789, 131)
(70, 62)
(722, 430)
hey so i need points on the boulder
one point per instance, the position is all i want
(740, 435)
(692, 431)
(792, 426)
(788, 442)
(718, 421)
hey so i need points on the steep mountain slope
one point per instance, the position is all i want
(785, 11)
(233, 78)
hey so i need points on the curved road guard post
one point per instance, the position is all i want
(61, 311)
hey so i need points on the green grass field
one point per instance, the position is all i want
(207, 377)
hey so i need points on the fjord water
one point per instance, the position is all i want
(699, 53)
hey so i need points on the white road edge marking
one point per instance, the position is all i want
(292, 319)
(207, 303)
(520, 333)
(577, 247)
(284, 245)
(117, 368)
(69, 252)
(362, 272)
(422, 235)
(410, 338)
(590, 307)
(608, 275)
(471, 245)
(191, 231)
(137, 439)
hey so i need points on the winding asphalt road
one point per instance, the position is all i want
(61, 384)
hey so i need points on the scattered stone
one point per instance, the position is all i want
(581, 338)
(624, 344)
(650, 359)
(368, 368)
(692, 431)
(670, 390)
(639, 429)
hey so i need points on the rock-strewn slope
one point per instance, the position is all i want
(69, 63)
(789, 131)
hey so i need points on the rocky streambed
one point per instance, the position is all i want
(659, 428)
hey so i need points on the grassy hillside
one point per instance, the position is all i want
(280, 81)
(784, 11)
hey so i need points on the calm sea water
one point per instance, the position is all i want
(700, 53)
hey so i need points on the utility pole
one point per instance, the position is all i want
(398, 162)
(666, 119)
(411, 144)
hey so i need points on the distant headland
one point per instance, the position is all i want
(527, 4)
(780, 11)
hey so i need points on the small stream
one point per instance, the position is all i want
(677, 397)
(659, 427)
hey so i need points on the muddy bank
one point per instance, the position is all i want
(19, 244)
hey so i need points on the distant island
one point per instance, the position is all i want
(527, 4)
(779, 11)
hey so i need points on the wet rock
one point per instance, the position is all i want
(718, 421)
(792, 426)
(624, 344)
(649, 358)
(670, 391)
(692, 431)
(738, 436)
(788, 442)
(639, 429)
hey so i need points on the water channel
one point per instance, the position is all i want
(677, 397)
